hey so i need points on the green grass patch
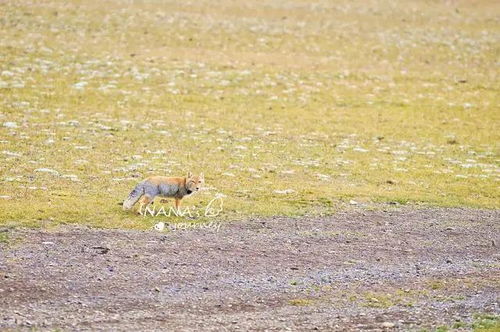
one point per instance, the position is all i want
(486, 323)
(4, 237)
(300, 302)
(378, 301)
(288, 110)
(481, 322)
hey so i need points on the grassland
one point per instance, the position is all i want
(289, 107)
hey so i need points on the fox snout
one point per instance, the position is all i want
(194, 183)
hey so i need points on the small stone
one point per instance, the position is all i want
(80, 85)
(284, 192)
(388, 325)
(47, 170)
(10, 124)
(7, 73)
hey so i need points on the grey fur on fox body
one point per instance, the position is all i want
(176, 187)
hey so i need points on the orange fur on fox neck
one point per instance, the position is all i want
(186, 183)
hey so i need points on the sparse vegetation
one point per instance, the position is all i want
(4, 237)
(300, 302)
(289, 108)
(406, 298)
(378, 300)
(486, 323)
(459, 325)
(482, 322)
(436, 284)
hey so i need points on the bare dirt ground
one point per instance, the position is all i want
(399, 270)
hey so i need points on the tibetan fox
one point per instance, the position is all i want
(176, 187)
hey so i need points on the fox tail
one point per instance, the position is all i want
(134, 196)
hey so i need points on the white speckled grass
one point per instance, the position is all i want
(290, 110)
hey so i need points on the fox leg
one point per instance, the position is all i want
(144, 202)
(177, 204)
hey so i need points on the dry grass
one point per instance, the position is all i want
(289, 107)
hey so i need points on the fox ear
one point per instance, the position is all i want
(202, 175)
(190, 175)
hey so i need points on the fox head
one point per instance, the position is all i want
(194, 182)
